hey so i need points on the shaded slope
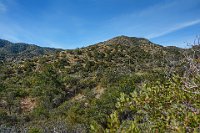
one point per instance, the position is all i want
(17, 51)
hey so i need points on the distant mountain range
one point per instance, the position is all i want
(12, 51)
(19, 51)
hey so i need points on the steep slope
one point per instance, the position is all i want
(18, 51)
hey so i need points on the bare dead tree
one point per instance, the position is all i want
(191, 77)
(190, 66)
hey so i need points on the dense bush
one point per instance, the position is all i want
(155, 107)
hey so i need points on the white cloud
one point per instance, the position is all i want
(174, 28)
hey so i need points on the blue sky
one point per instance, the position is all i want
(77, 23)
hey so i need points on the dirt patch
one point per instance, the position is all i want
(28, 104)
(98, 91)
(79, 97)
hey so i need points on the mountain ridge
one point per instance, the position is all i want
(19, 51)
(122, 39)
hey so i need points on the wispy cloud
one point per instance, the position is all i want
(73, 29)
(10, 31)
(2, 7)
(174, 28)
(156, 20)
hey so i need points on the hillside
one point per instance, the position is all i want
(123, 84)
(18, 51)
